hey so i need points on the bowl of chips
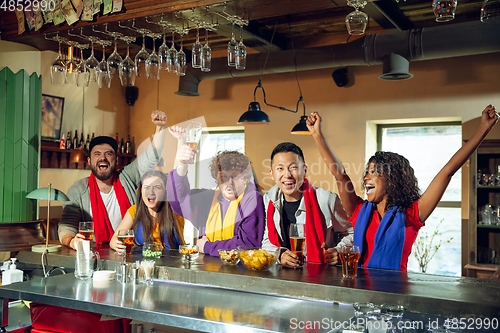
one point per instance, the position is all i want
(188, 252)
(256, 258)
(229, 257)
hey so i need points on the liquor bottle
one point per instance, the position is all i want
(69, 141)
(87, 143)
(127, 145)
(92, 137)
(122, 147)
(75, 140)
(116, 137)
(62, 144)
(81, 144)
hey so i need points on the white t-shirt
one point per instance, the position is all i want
(112, 207)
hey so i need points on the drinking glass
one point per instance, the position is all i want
(206, 55)
(232, 47)
(83, 75)
(241, 56)
(196, 50)
(298, 240)
(127, 66)
(172, 57)
(103, 77)
(147, 268)
(92, 63)
(444, 10)
(114, 59)
(163, 52)
(70, 68)
(356, 22)
(84, 264)
(489, 9)
(142, 55)
(127, 237)
(349, 257)
(153, 61)
(180, 66)
(87, 230)
(57, 70)
(193, 134)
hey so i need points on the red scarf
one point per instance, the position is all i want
(103, 230)
(315, 231)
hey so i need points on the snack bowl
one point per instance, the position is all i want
(256, 258)
(229, 257)
(152, 250)
(189, 252)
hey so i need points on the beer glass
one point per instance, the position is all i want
(127, 237)
(193, 134)
(87, 230)
(298, 240)
(349, 257)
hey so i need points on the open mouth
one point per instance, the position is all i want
(369, 189)
(103, 166)
(288, 185)
(151, 199)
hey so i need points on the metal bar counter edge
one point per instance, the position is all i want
(197, 295)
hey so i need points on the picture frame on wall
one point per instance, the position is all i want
(52, 112)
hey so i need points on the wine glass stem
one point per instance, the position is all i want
(181, 42)
(128, 49)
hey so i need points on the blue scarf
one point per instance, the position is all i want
(389, 238)
(139, 238)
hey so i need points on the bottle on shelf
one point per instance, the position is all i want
(116, 137)
(92, 137)
(87, 143)
(69, 141)
(75, 140)
(127, 146)
(122, 147)
(81, 144)
(62, 144)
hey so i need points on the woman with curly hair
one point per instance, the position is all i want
(152, 219)
(230, 215)
(386, 224)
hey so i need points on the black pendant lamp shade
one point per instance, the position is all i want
(254, 115)
(301, 127)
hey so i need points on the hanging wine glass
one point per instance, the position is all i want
(114, 59)
(172, 57)
(206, 55)
(127, 66)
(142, 55)
(180, 66)
(241, 55)
(83, 74)
(71, 66)
(57, 69)
(357, 20)
(153, 61)
(91, 63)
(163, 52)
(232, 47)
(103, 77)
(196, 50)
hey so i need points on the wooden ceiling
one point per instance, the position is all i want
(272, 25)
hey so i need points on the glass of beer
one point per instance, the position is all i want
(127, 237)
(349, 257)
(193, 134)
(298, 240)
(87, 230)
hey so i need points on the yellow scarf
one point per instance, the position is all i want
(216, 228)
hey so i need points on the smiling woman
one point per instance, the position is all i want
(152, 218)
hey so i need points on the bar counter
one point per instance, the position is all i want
(196, 296)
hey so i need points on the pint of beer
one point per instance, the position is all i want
(349, 257)
(127, 237)
(297, 240)
(87, 230)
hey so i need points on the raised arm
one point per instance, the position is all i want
(429, 200)
(159, 118)
(344, 184)
(185, 155)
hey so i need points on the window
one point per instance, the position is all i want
(429, 147)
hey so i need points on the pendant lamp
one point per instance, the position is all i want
(301, 127)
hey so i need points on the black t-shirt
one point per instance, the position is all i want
(288, 217)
